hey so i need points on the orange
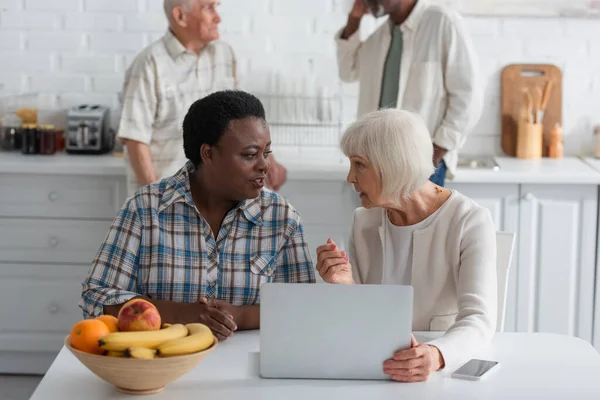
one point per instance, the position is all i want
(85, 335)
(110, 321)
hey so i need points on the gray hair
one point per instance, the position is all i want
(170, 5)
(398, 145)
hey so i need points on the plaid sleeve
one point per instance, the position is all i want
(295, 263)
(112, 276)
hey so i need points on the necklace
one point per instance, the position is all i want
(439, 191)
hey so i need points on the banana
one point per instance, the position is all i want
(115, 353)
(121, 341)
(200, 338)
(141, 353)
(198, 328)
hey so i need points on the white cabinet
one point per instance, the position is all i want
(65, 196)
(503, 202)
(50, 229)
(557, 255)
(501, 199)
(39, 305)
(552, 277)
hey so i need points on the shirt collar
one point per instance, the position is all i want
(412, 22)
(173, 45)
(178, 190)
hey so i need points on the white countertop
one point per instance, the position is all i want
(592, 162)
(61, 164)
(531, 366)
(325, 164)
(568, 170)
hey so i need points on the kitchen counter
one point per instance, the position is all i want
(592, 162)
(61, 164)
(325, 165)
(568, 170)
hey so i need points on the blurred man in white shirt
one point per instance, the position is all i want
(164, 80)
(420, 60)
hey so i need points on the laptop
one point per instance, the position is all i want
(323, 331)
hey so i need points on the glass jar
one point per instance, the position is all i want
(10, 133)
(31, 141)
(47, 135)
(60, 139)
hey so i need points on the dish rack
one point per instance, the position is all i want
(304, 121)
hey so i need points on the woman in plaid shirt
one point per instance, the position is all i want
(200, 243)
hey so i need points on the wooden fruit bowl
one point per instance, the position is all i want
(133, 376)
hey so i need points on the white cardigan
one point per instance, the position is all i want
(453, 273)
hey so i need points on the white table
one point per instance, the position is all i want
(532, 366)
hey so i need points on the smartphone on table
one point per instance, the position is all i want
(474, 369)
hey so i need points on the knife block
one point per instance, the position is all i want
(530, 140)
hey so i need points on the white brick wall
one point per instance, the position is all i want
(117, 6)
(88, 64)
(145, 22)
(92, 22)
(10, 4)
(29, 20)
(116, 42)
(79, 50)
(57, 84)
(52, 5)
(54, 41)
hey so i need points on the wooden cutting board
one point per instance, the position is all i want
(515, 77)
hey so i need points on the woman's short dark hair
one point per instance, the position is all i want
(208, 119)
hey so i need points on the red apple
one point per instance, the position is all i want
(139, 315)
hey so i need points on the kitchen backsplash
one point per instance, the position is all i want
(79, 50)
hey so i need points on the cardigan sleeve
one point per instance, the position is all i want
(476, 282)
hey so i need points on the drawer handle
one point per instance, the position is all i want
(53, 308)
(53, 241)
(53, 196)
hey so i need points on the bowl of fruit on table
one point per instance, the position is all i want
(135, 352)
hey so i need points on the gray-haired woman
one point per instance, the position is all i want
(413, 232)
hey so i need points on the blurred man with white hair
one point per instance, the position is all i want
(164, 80)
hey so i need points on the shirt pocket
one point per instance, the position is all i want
(263, 266)
(442, 322)
(262, 270)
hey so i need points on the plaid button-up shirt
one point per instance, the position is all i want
(161, 247)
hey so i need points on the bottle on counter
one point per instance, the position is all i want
(555, 146)
(597, 141)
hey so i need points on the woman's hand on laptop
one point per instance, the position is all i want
(333, 264)
(414, 364)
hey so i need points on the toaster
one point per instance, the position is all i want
(88, 130)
